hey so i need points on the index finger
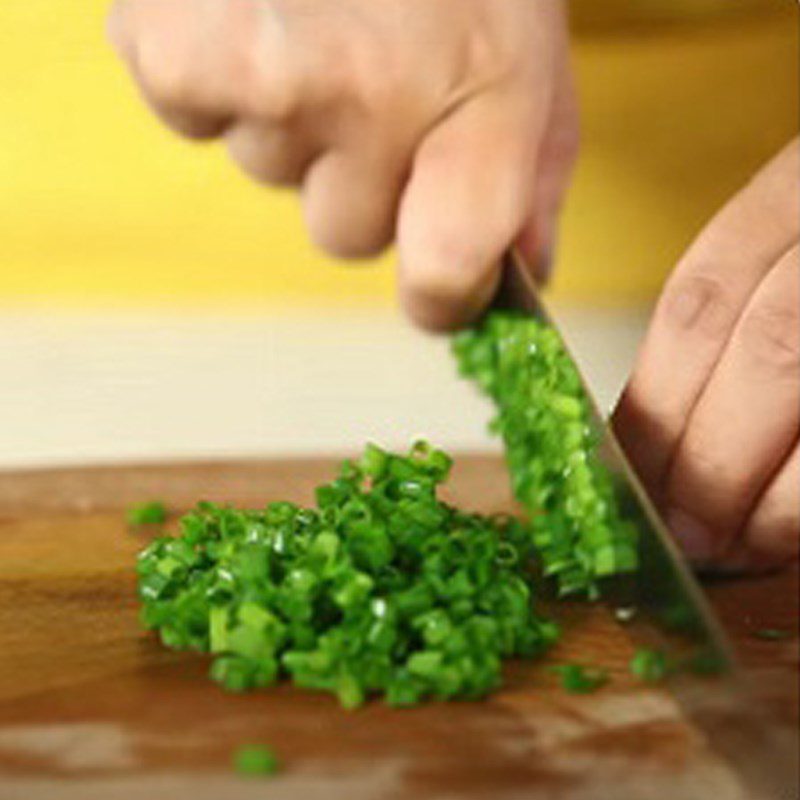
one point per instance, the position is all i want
(467, 198)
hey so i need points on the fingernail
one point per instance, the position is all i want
(694, 538)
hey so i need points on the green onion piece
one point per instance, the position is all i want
(579, 679)
(255, 760)
(772, 634)
(152, 513)
(649, 665)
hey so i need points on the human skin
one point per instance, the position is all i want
(450, 127)
(711, 415)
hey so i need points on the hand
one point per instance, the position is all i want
(449, 125)
(711, 415)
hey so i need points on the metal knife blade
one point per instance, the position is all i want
(670, 609)
(663, 589)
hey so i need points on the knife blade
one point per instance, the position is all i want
(663, 589)
(669, 609)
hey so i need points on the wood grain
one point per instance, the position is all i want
(92, 707)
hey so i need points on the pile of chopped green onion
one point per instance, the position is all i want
(381, 588)
(544, 416)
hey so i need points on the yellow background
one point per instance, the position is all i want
(100, 206)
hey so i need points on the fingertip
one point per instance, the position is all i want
(439, 303)
(447, 276)
(342, 240)
(349, 205)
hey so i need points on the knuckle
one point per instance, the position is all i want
(371, 74)
(486, 53)
(276, 92)
(166, 75)
(273, 68)
(388, 100)
(698, 304)
(704, 477)
(770, 335)
(698, 461)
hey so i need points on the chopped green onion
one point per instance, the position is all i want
(772, 634)
(544, 417)
(381, 589)
(152, 513)
(579, 679)
(649, 665)
(254, 760)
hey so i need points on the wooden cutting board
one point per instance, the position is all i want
(93, 707)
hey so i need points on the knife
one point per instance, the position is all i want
(664, 608)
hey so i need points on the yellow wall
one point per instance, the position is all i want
(99, 205)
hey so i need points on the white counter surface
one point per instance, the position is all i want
(85, 387)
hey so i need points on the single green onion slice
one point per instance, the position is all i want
(773, 634)
(580, 679)
(255, 760)
(648, 665)
(151, 513)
